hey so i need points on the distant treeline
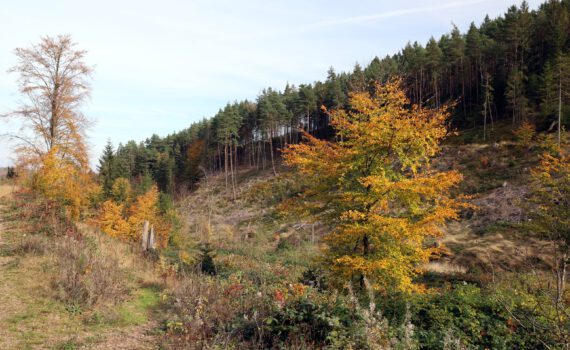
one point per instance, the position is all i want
(515, 66)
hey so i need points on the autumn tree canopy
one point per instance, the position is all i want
(376, 189)
(54, 82)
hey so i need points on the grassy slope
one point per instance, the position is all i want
(250, 240)
(32, 318)
(248, 235)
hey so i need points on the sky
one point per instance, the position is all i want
(159, 66)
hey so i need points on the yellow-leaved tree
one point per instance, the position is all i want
(62, 181)
(112, 221)
(145, 208)
(128, 223)
(375, 188)
(54, 81)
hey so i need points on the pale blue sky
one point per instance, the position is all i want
(161, 65)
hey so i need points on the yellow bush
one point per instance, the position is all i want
(61, 180)
(525, 133)
(112, 219)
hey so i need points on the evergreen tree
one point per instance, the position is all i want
(107, 169)
(556, 90)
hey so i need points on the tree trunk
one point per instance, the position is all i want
(232, 174)
(485, 120)
(559, 102)
(561, 271)
(226, 164)
(271, 151)
(365, 251)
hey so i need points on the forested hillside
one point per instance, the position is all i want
(508, 68)
(419, 202)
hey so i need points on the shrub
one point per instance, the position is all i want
(30, 244)
(470, 316)
(86, 276)
(206, 261)
(204, 310)
(524, 134)
(304, 321)
(41, 215)
(11, 173)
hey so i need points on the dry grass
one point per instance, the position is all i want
(31, 315)
(6, 189)
(445, 268)
(86, 275)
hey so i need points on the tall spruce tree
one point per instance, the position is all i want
(107, 169)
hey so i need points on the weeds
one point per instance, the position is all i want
(86, 276)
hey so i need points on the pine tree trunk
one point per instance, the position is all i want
(421, 82)
(226, 164)
(463, 90)
(485, 120)
(559, 103)
(235, 163)
(232, 174)
(514, 103)
(219, 158)
(264, 154)
(271, 150)
(561, 276)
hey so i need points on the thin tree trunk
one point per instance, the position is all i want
(226, 164)
(514, 102)
(219, 158)
(232, 174)
(236, 157)
(235, 163)
(559, 102)
(365, 251)
(264, 154)
(271, 150)
(463, 90)
(421, 83)
(485, 120)
(561, 276)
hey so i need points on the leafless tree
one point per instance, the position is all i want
(54, 81)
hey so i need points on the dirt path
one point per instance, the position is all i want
(10, 304)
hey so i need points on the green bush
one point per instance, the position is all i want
(474, 317)
(309, 322)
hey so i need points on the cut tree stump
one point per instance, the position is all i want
(148, 238)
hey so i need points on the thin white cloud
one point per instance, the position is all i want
(389, 14)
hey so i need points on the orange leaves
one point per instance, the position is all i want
(64, 182)
(313, 157)
(127, 224)
(111, 220)
(375, 188)
(525, 133)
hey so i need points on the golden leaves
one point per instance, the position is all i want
(120, 221)
(374, 186)
(62, 181)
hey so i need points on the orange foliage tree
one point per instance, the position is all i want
(54, 81)
(62, 181)
(376, 189)
(193, 159)
(112, 221)
(127, 224)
